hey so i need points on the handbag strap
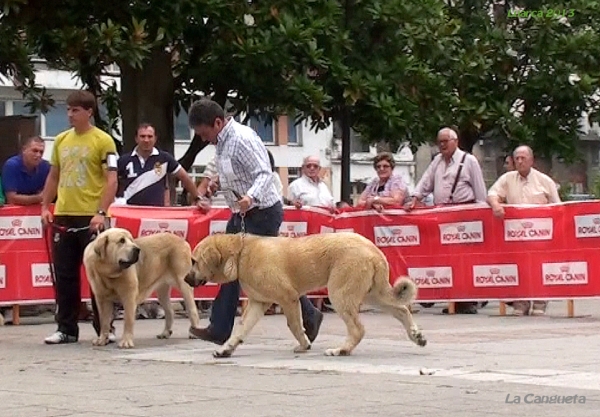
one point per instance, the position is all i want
(462, 162)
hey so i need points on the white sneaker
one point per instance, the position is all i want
(112, 338)
(7, 315)
(59, 338)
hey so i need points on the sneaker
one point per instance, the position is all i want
(59, 338)
(112, 338)
(8, 316)
(160, 312)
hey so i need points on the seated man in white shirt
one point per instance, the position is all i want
(309, 189)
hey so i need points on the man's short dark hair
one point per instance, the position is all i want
(82, 98)
(26, 142)
(205, 112)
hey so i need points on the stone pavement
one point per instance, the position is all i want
(472, 366)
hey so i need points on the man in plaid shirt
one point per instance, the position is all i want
(243, 167)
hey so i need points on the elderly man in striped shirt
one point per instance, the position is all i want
(244, 169)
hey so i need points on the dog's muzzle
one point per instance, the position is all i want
(190, 279)
(135, 256)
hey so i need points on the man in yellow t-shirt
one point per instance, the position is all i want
(83, 175)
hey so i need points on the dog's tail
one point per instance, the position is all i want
(405, 290)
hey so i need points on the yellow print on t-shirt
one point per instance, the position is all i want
(73, 162)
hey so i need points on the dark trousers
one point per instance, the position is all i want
(67, 254)
(265, 222)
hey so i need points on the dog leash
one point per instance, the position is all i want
(59, 230)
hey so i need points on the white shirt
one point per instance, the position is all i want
(310, 193)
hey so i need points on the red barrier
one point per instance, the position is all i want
(454, 253)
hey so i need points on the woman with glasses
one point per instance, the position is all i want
(387, 189)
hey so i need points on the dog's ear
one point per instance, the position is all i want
(100, 246)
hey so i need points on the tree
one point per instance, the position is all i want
(527, 79)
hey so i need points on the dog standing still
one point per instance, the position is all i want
(121, 268)
(280, 270)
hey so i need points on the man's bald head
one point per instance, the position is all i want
(311, 165)
(523, 157)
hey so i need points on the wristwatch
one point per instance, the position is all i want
(376, 199)
(101, 213)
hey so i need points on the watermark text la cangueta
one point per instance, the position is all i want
(551, 13)
(544, 399)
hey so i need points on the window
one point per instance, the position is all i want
(264, 127)
(56, 119)
(357, 144)
(294, 174)
(181, 124)
(20, 109)
(294, 130)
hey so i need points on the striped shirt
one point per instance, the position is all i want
(243, 165)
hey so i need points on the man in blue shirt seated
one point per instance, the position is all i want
(24, 175)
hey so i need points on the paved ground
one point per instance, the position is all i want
(472, 366)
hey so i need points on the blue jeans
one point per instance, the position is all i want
(265, 222)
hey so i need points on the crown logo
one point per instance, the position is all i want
(597, 220)
(461, 228)
(494, 271)
(17, 222)
(163, 225)
(396, 231)
(527, 225)
(564, 268)
(430, 273)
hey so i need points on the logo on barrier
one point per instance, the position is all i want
(434, 277)
(516, 230)
(465, 232)
(217, 227)
(565, 273)
(396, 236)
(22, 227)
(2, 276)
(293, 229)
(40, 275)
(326, 229)
(587, 225)
(152, 226)
(506, 275)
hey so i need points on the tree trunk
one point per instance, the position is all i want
(345, 125)
(148, 97)
(197, 144)
(467, 139)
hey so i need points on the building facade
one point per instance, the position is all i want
(288, 142)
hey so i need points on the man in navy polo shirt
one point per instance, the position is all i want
(143, 172)
(143, 182)
(24, 175)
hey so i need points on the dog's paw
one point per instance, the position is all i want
(165, 334)
(337, 352)
(100, 341)
(126, 343)
(417, 337)
(301, 349)
(224, 352)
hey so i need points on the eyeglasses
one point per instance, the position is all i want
(383, 166)
(310, 166)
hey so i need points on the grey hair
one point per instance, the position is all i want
(524, 147)
(448, 131)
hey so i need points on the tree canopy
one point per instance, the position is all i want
(394, 70)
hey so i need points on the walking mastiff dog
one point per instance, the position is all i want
(281, 269)
(121, 268)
